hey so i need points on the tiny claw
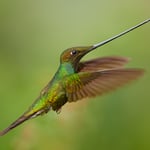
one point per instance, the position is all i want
(58, 111)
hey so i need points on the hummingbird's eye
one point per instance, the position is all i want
(73, 52)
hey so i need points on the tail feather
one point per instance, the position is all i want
(21, 120)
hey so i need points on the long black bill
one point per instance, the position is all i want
(119, 35)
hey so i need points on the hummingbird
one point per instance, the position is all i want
(76, 80)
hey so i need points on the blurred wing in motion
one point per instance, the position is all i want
(103, 63)
(90, 84)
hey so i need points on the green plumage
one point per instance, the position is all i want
(75, 80)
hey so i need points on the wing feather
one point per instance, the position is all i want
(89, 84)
(102, 63)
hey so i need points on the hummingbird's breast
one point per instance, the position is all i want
(56, 96)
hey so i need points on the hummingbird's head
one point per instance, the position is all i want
(74, 54)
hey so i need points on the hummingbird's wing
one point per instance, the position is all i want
(102, 63)
(90, 84)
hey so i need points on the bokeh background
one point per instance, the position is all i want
(33, 33)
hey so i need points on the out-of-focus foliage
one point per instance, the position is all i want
(33, 33)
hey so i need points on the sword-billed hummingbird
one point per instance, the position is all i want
(75, 80)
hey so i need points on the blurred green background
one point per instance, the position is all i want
(33, 33)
